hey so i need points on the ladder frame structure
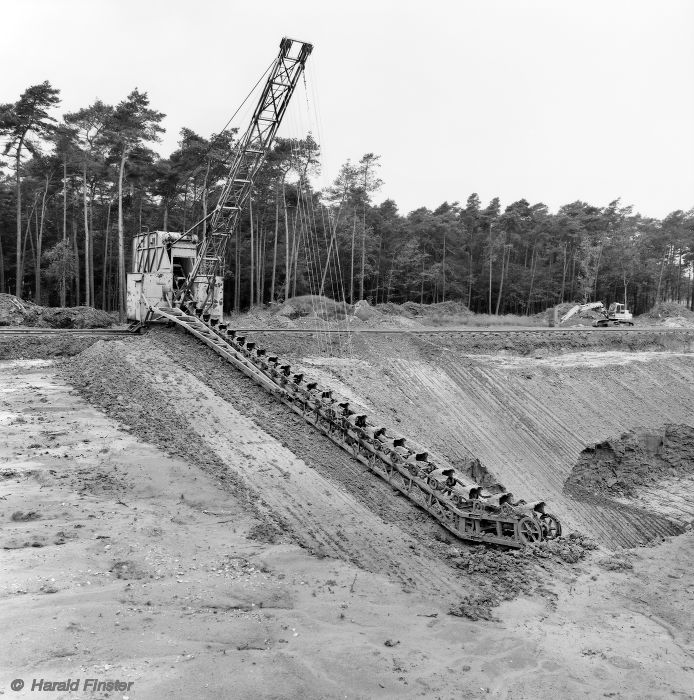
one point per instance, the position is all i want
(250, 154)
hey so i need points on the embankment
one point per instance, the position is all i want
(527, 418)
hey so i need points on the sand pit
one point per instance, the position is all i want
(186, 530)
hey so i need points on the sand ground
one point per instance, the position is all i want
(123, 561)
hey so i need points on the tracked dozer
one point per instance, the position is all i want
(178, 279)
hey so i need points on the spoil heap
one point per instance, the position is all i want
(17, 312)
(671, 313)
(638, 458)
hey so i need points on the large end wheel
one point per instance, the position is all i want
(550, 525)
(529, 530)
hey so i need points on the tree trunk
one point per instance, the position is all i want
(237, 273)
(63, 280)
(469, 279)
(23, 251)
(287, 269)
(390, 278)
(274, 252)
(261, 258)
(363, 233)
(597, 269)
(39, 245)
(76, 300)
(378, 267)
(660, 279)
(490, 268)
(351, 274)
(251, 277)
(23, 248)
(533, 265)
(91, 247)
(87, 300)
(501, 284)
(31, 241)
(563, 277)
(295, 246)
(363, 256)
(105, 271)
(121, 242)
(443, 270)
(204, 199)
(18, 281)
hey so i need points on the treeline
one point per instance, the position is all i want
(73, 191)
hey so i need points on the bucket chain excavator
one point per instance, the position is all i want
(178, 279)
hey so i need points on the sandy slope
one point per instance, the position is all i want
(527, 419)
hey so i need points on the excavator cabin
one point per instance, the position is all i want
(162, 262)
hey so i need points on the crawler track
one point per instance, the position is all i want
(458, 507)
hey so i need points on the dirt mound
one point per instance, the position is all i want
(75, 317)
(17, 312)
(37, 347)
(412, 309)
(617, 467)
(317, 306)
(670, 309)
(508, 574)
(671, 313)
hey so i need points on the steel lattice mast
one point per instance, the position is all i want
(250, 154)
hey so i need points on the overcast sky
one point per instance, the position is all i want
(547, 100)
